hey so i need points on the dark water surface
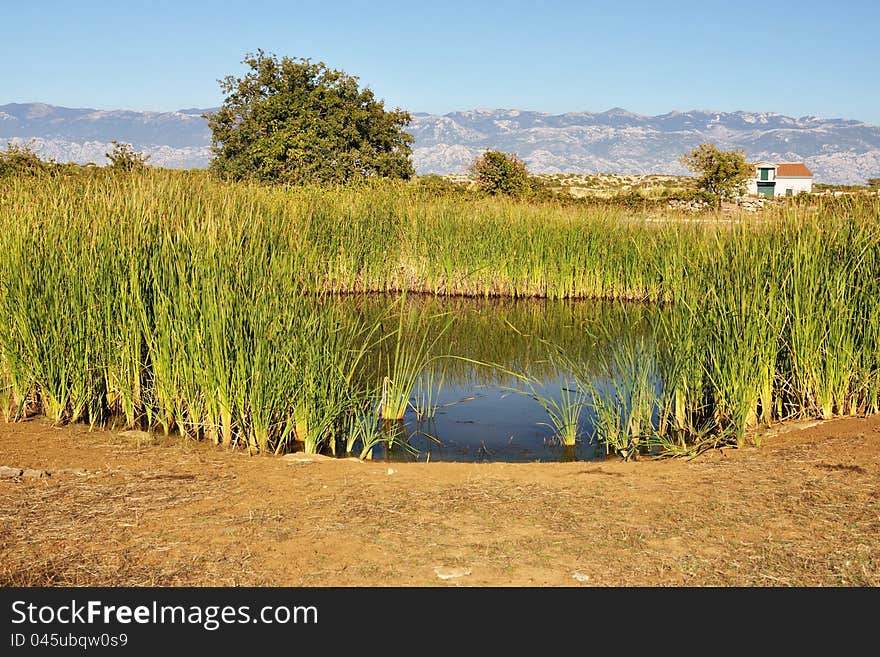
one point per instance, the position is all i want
(485, 412)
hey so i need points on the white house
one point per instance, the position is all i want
(780, 179)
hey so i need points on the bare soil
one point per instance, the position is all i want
(132, 509)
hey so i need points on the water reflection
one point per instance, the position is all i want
(482, 411)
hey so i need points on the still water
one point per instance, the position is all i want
(492, 357)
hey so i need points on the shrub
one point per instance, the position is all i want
(502, 173)
(124, 158)
(723, 174)
(21, 160)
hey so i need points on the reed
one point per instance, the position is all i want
(565, 403)
(624, 398)
(6, 394)
(426, 393)
(564, 408)
(408, 363)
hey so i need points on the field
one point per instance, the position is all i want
(164, 337)
(171, 302)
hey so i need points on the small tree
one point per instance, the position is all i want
(874, 183)
(291, 121)
(723, 174)
(501, 173)
(124, 158)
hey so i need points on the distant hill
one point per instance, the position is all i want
(839, 151)
(173, 139)
(836, 150)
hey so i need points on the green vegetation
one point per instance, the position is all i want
(501, 173)
(293, 121)
(635, 192)
(625, 397)
(21, 160)
(124, 158)
(610, 186)
(404, 367)
(564, 408)
(174, 301)
(723, 174)
(851, 189)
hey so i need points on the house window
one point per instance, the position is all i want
(765, 174)
(789, 192)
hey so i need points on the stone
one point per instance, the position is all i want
(447, 572)
(35, 474)
(9, 473)
(581, 577)
(302, 457)
(79, 472)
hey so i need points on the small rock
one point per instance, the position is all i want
(302, 457)
(35, 474)
(391, 471)
(581, 577)
(445, 572)
(9, 473)
(79, 472)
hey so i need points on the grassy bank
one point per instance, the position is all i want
(173, 301)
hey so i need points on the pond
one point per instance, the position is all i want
(494, 367)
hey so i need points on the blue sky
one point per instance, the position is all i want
(796, 58)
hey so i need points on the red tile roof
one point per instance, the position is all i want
(793, 170)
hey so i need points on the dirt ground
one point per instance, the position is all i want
(131, 510)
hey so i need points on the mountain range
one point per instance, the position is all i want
(839, 151)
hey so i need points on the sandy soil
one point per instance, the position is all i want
(803, 509)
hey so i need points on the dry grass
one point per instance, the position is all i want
(75, 530)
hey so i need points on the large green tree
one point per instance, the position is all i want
(292, 121)
(721, 173)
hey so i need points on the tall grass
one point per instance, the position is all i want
(171, 301)
(625, 398)
(407, 365)
(426, 393)
(564, 409)
(120, 307)
(780, 322)
(564, 405)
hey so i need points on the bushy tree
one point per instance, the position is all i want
(21, 160)
(723, 174)
(292, 121)
(874, 183)
(501, 173)
(124, 158)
